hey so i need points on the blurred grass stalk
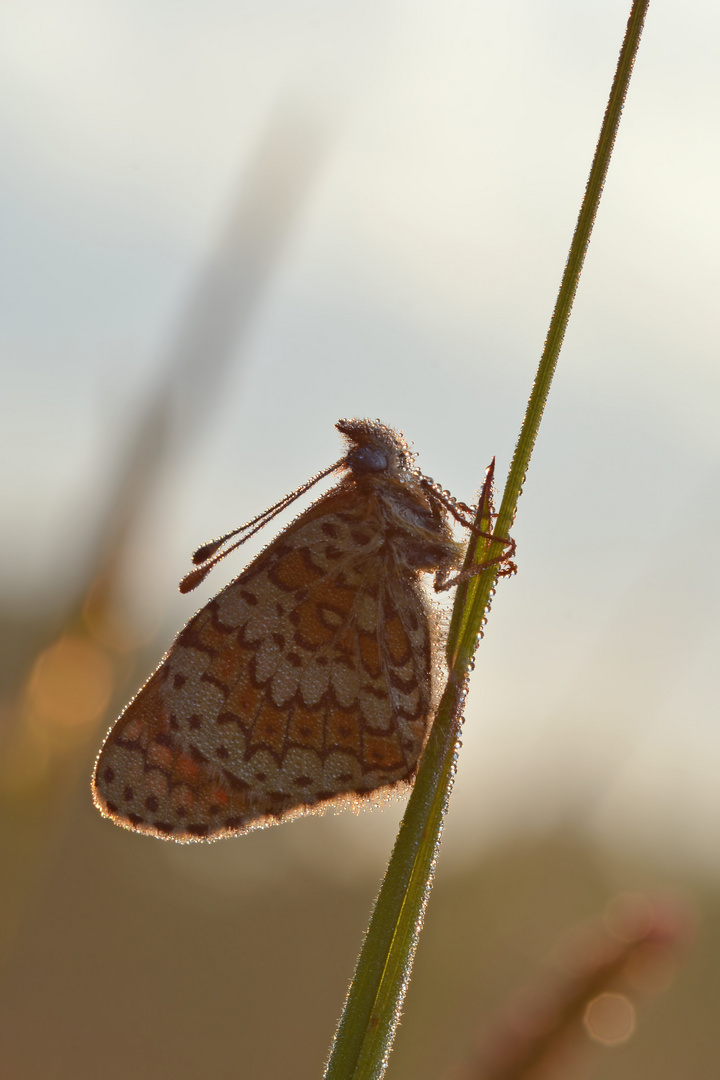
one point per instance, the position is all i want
(366, 1029)
(89, 658)
(597, 972)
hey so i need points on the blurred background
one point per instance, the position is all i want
(225, 226)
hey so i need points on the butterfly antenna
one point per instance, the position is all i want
(209, 554)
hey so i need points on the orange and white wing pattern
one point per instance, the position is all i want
(305, 682)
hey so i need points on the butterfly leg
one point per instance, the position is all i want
(443, 581)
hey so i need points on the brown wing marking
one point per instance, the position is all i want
(303, 682)
(147, 781)
(404, 648)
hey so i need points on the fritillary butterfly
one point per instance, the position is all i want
(308, 680)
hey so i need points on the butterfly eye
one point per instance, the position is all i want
(367, 459)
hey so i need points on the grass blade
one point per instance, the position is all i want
(366, 1029)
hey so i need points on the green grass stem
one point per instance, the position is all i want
(365, 1033)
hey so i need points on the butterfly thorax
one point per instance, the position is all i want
(412, 529)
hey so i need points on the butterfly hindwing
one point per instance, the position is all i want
(305, 681)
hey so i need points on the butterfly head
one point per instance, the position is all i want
(375, 449)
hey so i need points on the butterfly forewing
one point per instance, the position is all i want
(306, 681)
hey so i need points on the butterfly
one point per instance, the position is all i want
(306, 682)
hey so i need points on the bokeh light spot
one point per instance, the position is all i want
(71, 683)
(610, 1019)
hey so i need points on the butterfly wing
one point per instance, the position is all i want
(306, 681)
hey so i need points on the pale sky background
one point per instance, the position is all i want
(417, 288)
